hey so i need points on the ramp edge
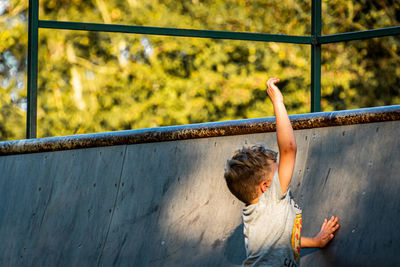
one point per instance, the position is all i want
(200, 130)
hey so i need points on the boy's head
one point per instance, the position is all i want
(247, 169)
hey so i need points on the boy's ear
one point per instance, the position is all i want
(264, 186)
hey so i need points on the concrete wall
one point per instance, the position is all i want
(166, 204)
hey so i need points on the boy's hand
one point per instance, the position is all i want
(326, 233)
(273, 91)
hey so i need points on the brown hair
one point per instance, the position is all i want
(247, 169)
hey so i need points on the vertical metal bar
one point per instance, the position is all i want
(316, 56)
(33, 35)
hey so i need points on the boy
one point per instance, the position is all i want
(272, 220)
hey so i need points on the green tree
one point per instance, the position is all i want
(95, 82)
(160, 81)
(360, 73)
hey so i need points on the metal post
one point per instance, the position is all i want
(31, 113)
(316, 56)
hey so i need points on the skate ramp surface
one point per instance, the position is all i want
(160, 200)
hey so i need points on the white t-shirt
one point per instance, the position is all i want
(272, 229)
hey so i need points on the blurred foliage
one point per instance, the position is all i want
(360, 73)
(95, 82)
(13, 43)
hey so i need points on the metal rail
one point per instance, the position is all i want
(201, 130)
(247, 36)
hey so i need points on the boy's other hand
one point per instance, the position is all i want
(327, 230)
(273, 91)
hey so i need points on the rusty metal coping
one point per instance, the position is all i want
(201, 130)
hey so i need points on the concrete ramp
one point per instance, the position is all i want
(164, 202)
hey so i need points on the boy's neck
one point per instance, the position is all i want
(254, 201)
(268, 184)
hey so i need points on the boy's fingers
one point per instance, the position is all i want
(334, 228)
(274, 80)
(270, 84)
(324, 224)
(333, 220)
(271, 81)
(331, 224)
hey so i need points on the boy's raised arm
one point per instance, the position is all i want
(284, 132)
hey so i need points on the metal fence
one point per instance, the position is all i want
(315, 40)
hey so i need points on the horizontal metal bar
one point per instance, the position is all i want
(261, 37)
(350, 36)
